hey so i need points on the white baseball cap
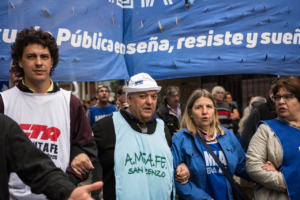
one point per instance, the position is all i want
(142, 82)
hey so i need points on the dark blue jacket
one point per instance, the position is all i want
(186, 148)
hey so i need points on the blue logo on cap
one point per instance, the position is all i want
(138, 83)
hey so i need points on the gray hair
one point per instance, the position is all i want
(217, 88)
(169, 90)
(256, 101)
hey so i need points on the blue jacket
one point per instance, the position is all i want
(186, 148)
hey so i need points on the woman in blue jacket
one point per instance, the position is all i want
(207, 181)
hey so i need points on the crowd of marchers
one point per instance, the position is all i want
(50, 141)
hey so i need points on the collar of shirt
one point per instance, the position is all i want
(178, 110)
(204, 135)
(97, 106)
(136, 119)
(287, 122)
(50, 89)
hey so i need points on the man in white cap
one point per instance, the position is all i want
(134, 147)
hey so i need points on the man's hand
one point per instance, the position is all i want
(81, 164)
(269, 166)
(83, 192)
(182, 174)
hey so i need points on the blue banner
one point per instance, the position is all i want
(89, 35)
(115, 39)
(172, 39)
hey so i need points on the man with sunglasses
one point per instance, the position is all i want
(94, 113)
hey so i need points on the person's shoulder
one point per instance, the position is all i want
(74, 101)
(112, 106)
(7, 123)
(73, 97)
(10, 90)
(161, 109)
(225, 105)
(5, 119)
(180, 134)
(234, 106)
(255, 113)
(92, 108)
(263, 126)
(262, 107)
(222, 105)
(228, 133)
(105, 120)
(264, 132)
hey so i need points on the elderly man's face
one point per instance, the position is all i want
(174, 99)
(142, 105)
(219, 96)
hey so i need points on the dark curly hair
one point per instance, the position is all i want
(32, 36)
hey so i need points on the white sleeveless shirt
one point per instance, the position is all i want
(45, 118)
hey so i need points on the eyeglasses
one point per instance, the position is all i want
(286, 97)
(219, 92)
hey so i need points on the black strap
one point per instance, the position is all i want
(225, 172)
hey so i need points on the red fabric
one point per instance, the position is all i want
(226, 113)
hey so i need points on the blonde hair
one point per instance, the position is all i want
(187, 121)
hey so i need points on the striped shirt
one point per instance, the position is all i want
(224, 115)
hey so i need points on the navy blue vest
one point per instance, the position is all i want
(289, 138)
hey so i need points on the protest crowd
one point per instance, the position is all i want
(56, 146)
